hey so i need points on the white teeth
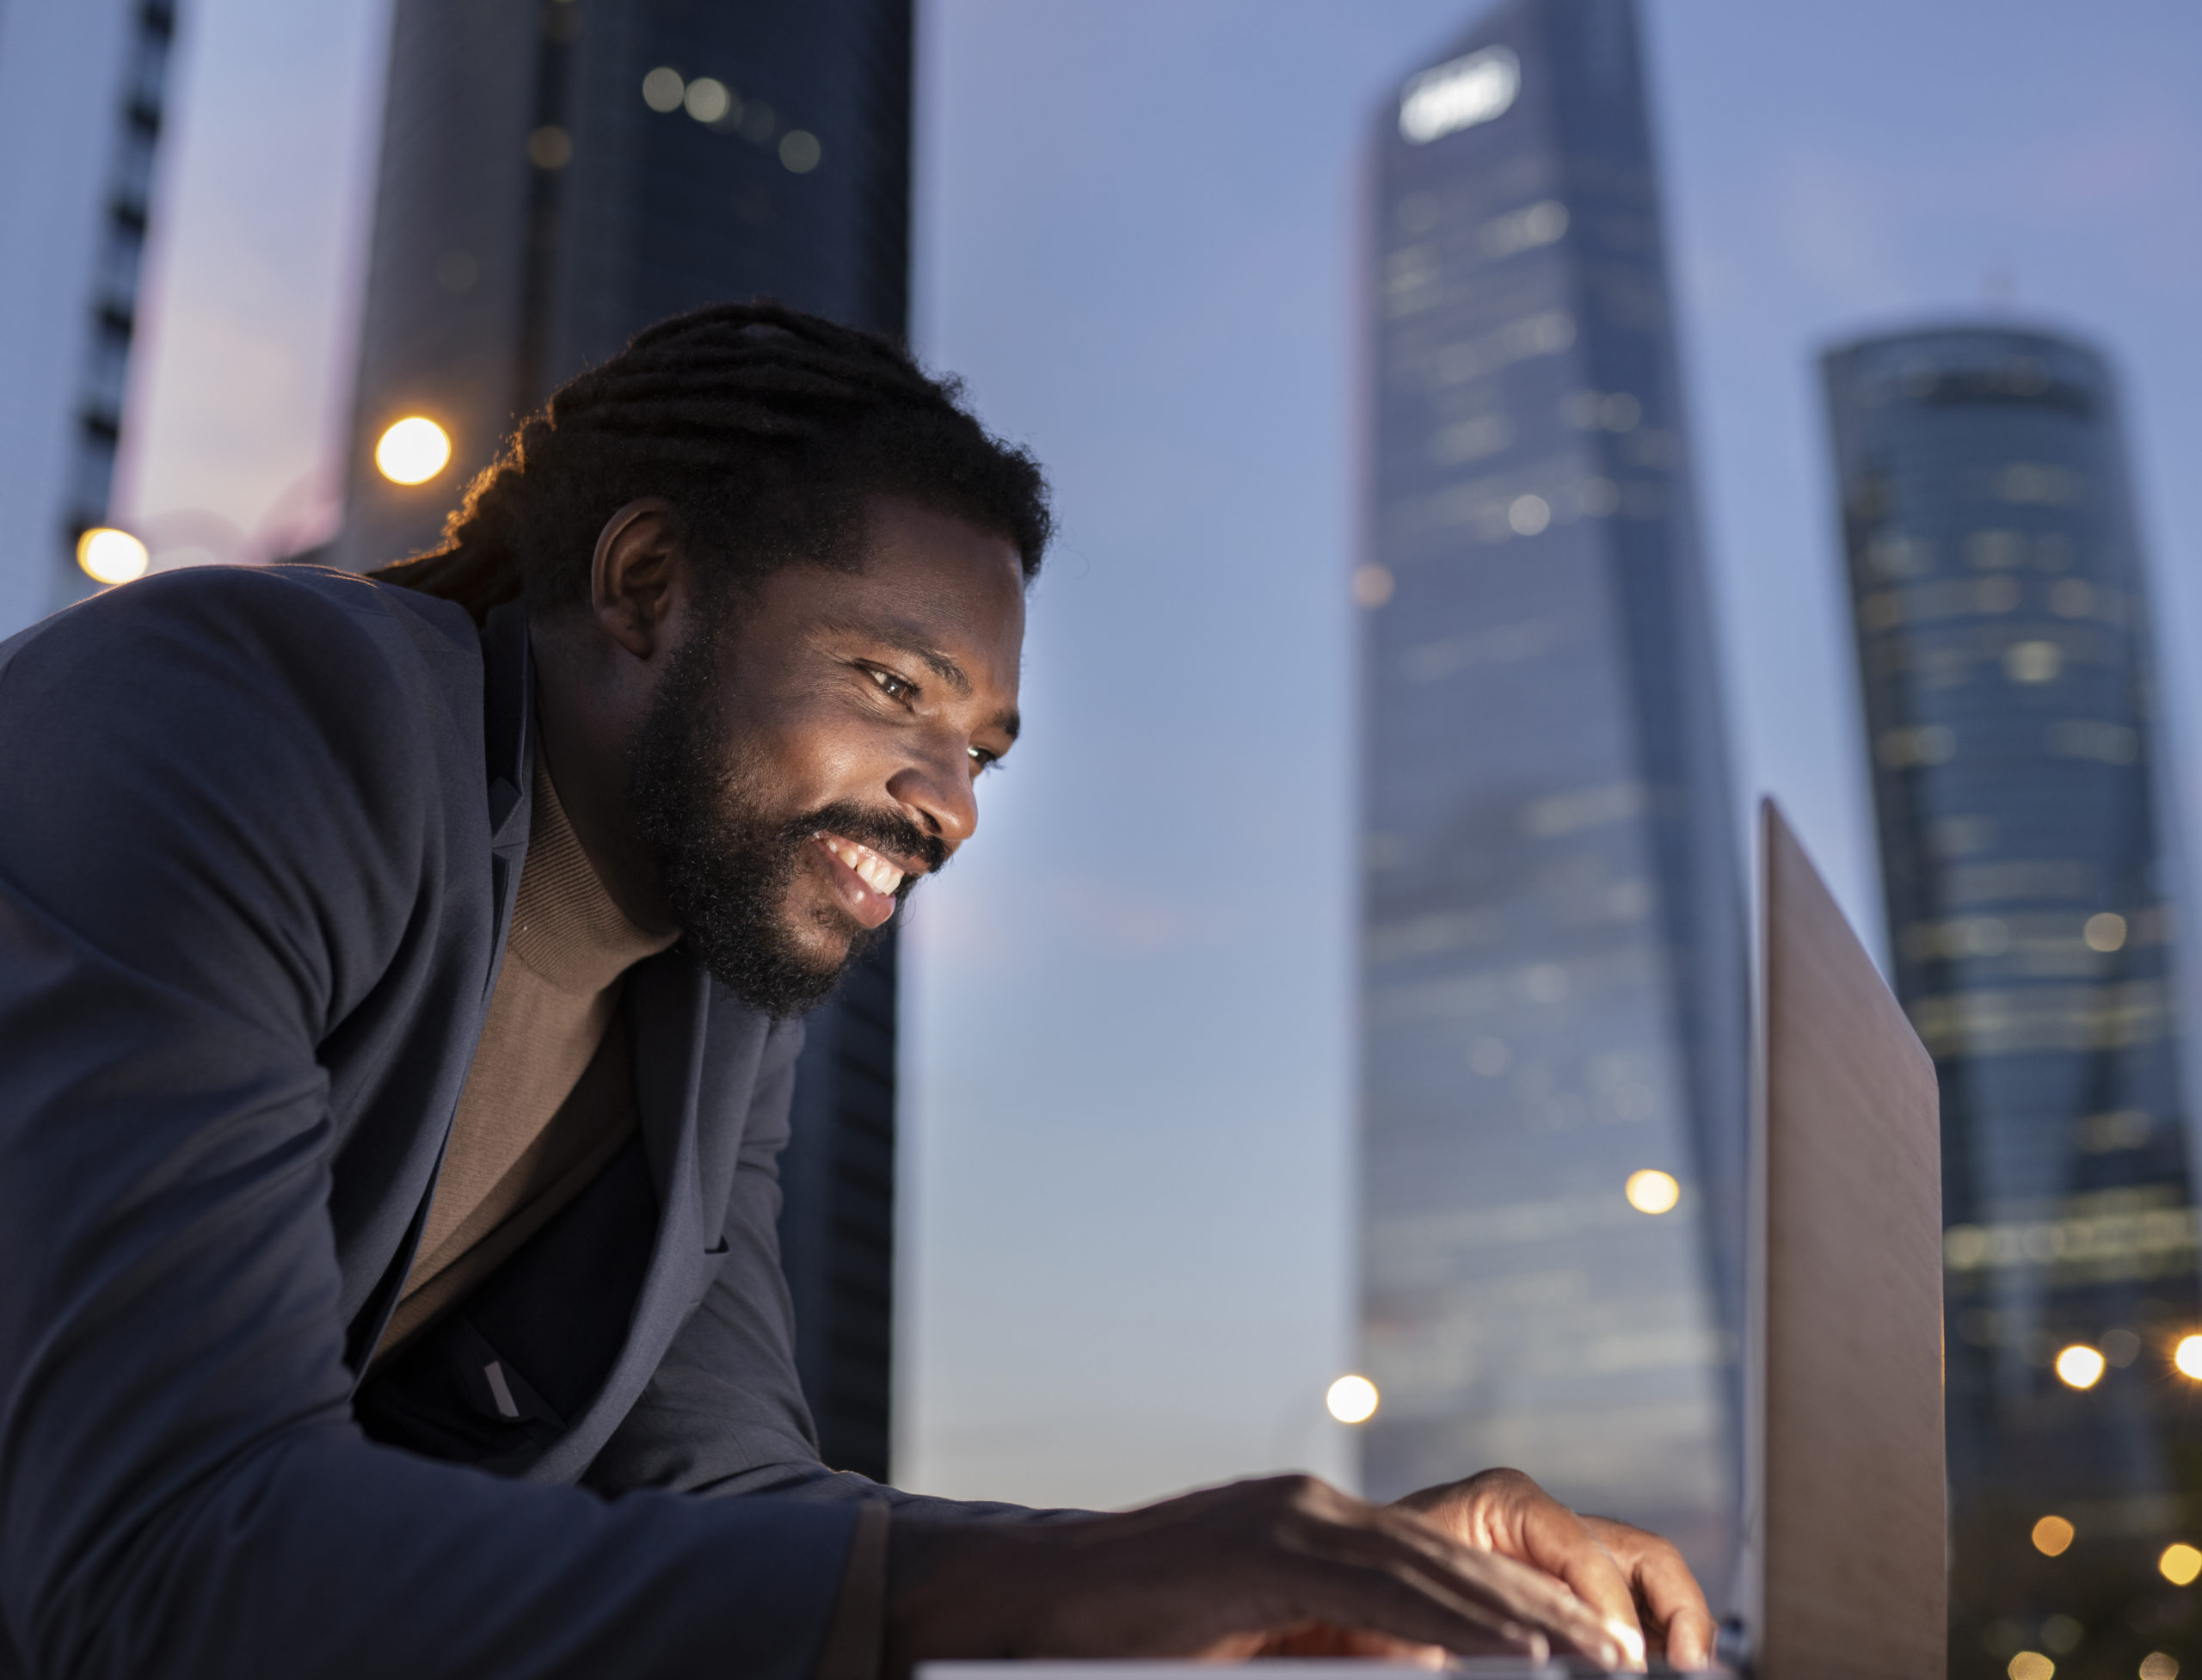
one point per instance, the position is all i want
(874, 870)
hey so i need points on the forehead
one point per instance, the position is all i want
(922, 573)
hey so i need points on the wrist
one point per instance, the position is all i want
(954, 1590)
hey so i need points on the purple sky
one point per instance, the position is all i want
(1128, 1072)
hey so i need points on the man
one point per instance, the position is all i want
(398, 985)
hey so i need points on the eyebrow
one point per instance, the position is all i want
(909, 642)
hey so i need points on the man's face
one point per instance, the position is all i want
(799, 772)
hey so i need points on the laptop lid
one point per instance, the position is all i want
(1846, 1514)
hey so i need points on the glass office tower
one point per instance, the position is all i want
(556, 174)
(2002, 640)
(1552, 993)
(82, 97)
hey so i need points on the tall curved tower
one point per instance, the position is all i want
(2002, 634)
(1554, 1019)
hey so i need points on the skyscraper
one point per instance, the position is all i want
(1553, 1012)
(555, 175)
(81, 94)
(2002, 635)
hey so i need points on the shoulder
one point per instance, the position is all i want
(273, 649)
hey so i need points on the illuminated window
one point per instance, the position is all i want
(2106, 932)
(1529, 515)
(1459, 94)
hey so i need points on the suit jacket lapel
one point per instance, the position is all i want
(508, 764)
(670, 1009)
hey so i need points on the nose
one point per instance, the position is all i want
(935, 790)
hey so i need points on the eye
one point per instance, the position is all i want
(895, 687)
(982, 761)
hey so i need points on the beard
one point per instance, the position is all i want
(727, 865)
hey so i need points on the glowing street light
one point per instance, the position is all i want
(2080, 1366)
(413, 450)
(109, 556)
(1352, 1400)
(2053, 1535)
(1652, 1191)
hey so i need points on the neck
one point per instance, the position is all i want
(587, 712)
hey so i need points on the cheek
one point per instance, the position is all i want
(808, 758)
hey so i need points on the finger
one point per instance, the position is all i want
(1561, 1544)
(1506, 1513)
(1674, 1605)
(1484, 1591)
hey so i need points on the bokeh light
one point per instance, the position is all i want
(662, 89)
(109, 556)
(2080, 1366)
(2052, 1535)
(2160, 1665)
(413, 450)
(708, 99)
(2179, 1564)
(1652, 1191)
(550, 147)
(2188, 1357)
(800, 152)
(2106, 932)
(2030, 1665)
(1352, 1400)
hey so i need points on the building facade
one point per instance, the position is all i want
(1554, 1019)
(2002, 634)
(82, 87)
(555, 175)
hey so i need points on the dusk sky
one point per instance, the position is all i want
(1127, 1051)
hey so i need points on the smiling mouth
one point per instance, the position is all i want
(867, 880)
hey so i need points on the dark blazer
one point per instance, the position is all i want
(260, 835)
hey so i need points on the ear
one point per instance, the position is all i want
(638, 576)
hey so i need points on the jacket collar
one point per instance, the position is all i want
(509, 723)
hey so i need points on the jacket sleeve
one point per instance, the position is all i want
(216, 814)
(725, 1411)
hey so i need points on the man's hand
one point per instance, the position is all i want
(1224, 1573)
(1629, 1577)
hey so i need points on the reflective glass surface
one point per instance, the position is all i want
(1552, 961)
(2002, 643)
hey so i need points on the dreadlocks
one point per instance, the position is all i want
(767, 429)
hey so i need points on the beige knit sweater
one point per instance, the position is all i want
(549, 1098)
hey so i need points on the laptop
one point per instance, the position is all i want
(1844, 1556)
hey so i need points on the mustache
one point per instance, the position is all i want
(886, 832)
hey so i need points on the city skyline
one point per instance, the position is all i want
(1552, 993)
(1161, 307)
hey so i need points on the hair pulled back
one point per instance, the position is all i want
(766, 429)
